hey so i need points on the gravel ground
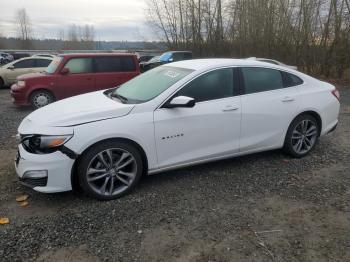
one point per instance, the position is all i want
(262, 207)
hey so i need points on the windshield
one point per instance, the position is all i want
(150, 84)
(165, 57)
(53, 65)
(154, 59)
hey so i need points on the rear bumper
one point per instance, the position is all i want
(18, 97)
(330, 128)
(333, 128)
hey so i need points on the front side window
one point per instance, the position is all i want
(28, 63)
(187, 55)
(258, 79)
(79, 65)
(150, 84)
(213, 85)
(42, 62)
(178, 56)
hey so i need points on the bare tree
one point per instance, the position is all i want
(88, 36)
(314, 34)
(24, 27)
(1, 38)
(80, 37)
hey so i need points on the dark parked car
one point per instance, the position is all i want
(145, 58)
(74, 74)
(17, 55)
(5, 58)
(168, 57)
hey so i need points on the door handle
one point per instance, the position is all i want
(288, 99)
(230, 108)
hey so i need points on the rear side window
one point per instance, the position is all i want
(79, 65)
(292, 80)
(114, 64)
(258, 79)
(128, 64)
(28, 63)
(42, 62)
(213, 85)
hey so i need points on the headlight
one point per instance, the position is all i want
(21, 83)
(43, 144)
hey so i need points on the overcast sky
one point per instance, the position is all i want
(112, 19)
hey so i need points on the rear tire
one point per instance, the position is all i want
(2, 84)
(41, 98)
(302, 136)
(110, 169)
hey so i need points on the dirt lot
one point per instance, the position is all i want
(263, 207)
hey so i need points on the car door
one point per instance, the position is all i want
(113, 71)
(21, 67)
(210, 129)
(268, 107)
(79, 80)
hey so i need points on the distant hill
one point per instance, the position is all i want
(55, 44)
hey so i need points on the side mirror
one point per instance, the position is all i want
(11, 67)
(180, 101)
(170, 59)
(65, 71)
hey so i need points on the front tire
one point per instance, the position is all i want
(110, 170)
(2, 84)
(302, 136)
(41, 98)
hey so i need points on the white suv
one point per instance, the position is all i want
(176, 115)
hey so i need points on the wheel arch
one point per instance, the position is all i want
(74, 176)
(40, 89)
(3, 80)
(314, 114)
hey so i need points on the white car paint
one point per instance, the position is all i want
(271, 61)
(174, 137)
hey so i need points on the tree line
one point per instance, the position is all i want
(313, 34)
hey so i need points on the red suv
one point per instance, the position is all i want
(74, 74)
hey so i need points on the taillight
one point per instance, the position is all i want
(336, 93)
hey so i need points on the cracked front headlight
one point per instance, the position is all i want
(42, 144)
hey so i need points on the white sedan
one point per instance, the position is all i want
(186, 113)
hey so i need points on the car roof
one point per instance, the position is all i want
(35, 57)
(203, 64)
(95, 54)
(178, 52)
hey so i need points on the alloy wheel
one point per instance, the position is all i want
(304, 136)
(111, 171)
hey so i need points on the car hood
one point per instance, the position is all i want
(79, 110)
(30, 75)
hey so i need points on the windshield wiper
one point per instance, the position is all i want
(123, 99)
